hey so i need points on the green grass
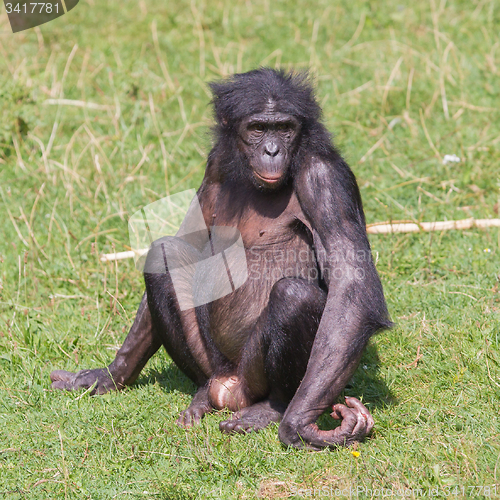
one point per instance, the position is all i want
(401, 84)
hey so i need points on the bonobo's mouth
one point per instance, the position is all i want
(269, 180)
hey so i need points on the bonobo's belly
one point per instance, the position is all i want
(234, 317)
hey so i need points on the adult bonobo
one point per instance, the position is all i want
(281, 347)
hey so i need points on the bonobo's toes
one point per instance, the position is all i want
(62, 376)
(99, 378)
(62, 380)
(253, 418)
(236, 425)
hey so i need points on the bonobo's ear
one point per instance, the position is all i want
(224, 121)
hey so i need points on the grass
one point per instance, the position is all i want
(401, 85)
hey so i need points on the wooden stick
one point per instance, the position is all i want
(110, 257)
(375, 228)
(412, 227)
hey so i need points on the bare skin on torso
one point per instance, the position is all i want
(277, 244)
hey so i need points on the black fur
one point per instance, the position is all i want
(281, 349)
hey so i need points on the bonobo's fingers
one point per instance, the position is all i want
(191, 416)
(356, 424)
(253, 418)
(198, 407)
(84, 379)
(363, 412)
(356, 419)
(349, 419)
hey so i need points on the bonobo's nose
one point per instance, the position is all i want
(271, 149)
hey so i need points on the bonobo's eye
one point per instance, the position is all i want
(256, 127)
(284, 127)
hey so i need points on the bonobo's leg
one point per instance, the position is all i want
(173, 259)
(158, 321)
(335, 355)
(141, 343)
(275, 357)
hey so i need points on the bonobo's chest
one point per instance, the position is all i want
(278, 244)
(275, 232)
(262, 218)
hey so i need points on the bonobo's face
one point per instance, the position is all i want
(268, 140)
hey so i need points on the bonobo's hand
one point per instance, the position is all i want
(198, 407)
(192, 416)
(356, 424)
(84, 379)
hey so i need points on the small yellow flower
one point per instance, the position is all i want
(356, 453)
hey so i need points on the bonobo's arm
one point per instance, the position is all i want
(355, 307)
(141, 343)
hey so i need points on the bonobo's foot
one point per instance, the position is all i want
(356, 424)
(253, 418)
(198, 407)
(84, 379)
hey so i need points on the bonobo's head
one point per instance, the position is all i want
(268, 141)
(263, 117)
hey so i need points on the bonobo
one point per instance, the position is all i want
(282, 346)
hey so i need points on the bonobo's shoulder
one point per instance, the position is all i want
(316, 169)
(330, 168)
(212, 170)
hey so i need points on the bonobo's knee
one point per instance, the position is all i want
(292, 295)
(169, 253)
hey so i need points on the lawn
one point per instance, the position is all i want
(402, 84)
